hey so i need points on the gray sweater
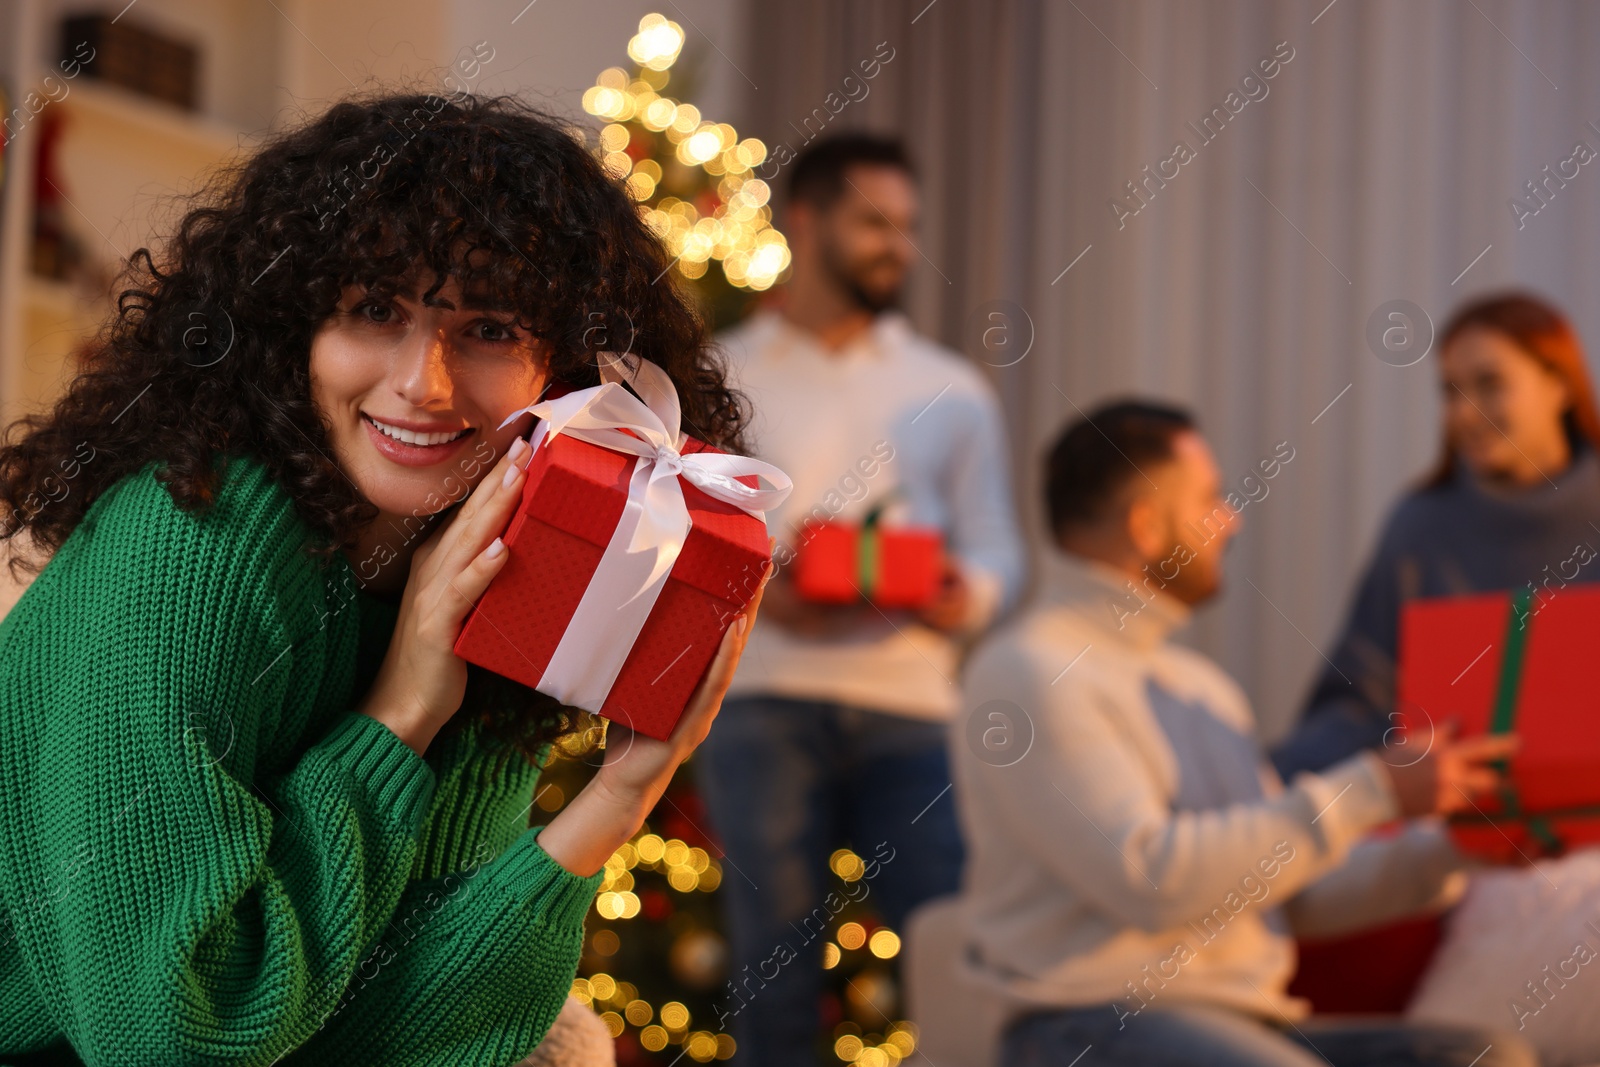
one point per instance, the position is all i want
(1458, 538)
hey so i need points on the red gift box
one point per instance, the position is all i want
(1508, 841)
(894, 567)
(1507, 662)
(572, 505)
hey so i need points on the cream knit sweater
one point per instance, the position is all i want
(1129, 844)
(890, 416)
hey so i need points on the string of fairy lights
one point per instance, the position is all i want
(735, 228)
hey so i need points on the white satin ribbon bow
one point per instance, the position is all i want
(655, 521)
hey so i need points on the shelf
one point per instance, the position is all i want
(154, 118)
(48, 297)
(125, 164)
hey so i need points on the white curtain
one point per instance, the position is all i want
(1379, 165)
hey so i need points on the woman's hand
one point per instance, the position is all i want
(612, 807)
(422, 681)
(1447, 777)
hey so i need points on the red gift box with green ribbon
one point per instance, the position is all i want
(892, 566)
(1511, 662)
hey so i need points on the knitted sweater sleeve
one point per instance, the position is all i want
(1352, 702)
(472, 970)
(173, 905)
(480, 954)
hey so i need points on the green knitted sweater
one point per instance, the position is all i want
(207, 856)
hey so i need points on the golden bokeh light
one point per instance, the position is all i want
(846, 864)
(657, 44)
(701, 1046)
(885, 944)
(674, 1016)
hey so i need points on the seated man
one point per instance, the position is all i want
(1137, 870)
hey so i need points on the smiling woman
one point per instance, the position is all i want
(1516, 486)
(408, 386)
(239, 751)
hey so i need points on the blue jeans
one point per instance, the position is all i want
(785, 783)
(1205, 1036)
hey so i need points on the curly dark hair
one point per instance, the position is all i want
(208, 350)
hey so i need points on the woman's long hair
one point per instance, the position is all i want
(1544, 334)
(208, 351)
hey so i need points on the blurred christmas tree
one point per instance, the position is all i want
(694, 179)
(655, 962)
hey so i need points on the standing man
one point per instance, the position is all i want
(833, 732)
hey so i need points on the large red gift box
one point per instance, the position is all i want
(572, 500)
(892, 566)
(1511, 662)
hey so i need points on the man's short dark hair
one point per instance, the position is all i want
(1098, 455)
(816, 176)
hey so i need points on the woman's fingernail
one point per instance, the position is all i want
(513, 472)
(516, 448)
(496, 547)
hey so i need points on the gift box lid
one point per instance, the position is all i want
(588, 489)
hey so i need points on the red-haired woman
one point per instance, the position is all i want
(1513, 503)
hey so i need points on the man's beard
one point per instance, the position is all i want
(871, 301)
(849, 280)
